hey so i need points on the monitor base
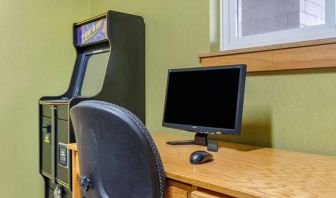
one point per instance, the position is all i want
(200, 139)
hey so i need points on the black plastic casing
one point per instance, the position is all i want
(124, 85)
(205, 129)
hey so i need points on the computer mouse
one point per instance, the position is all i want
(200, 157)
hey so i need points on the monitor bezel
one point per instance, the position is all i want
(205, 129)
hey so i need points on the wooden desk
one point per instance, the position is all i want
(75, 171)
(242, 171)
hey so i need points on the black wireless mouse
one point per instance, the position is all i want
(200, 157)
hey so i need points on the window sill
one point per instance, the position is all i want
(300, 55)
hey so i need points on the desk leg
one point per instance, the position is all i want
(75, 175)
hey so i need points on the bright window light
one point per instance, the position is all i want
(252, 23)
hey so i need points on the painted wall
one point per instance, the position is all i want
(293, 110)
(36, 59)
(290, 110)
(176, 31)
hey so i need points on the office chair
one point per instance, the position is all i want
(117, 156)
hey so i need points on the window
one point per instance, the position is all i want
(251, 23)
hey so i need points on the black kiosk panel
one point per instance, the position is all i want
(109, 66)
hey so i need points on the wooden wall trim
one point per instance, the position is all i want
(302, 55)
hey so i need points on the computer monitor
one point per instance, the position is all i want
(205, 100)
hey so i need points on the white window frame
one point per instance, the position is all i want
(229, 38)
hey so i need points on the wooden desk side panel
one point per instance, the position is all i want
(75, 171)
(175, 192)
(200, 194)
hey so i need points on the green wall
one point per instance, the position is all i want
(291, 110)
(36, 59)
(176, 31)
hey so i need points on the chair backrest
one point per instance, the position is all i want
(117, 155)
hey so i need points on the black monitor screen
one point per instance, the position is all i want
(205, 99)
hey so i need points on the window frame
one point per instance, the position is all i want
(229, 38)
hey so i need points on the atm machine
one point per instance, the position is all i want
(109, 66)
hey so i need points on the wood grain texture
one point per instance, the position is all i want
(302, 57)
(176, 192)
(179, 184)
(271, 47)
(72, 147)
(75, 171)
(244, 171)
(249, 171)
(200, 194)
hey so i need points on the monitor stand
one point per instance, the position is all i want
(200, 139)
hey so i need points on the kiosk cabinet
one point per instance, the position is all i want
(109, 66)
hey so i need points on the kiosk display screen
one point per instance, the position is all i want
(91, 32)
(94, 74)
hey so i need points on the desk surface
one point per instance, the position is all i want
(248, 171)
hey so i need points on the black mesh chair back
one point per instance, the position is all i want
(117, 156)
